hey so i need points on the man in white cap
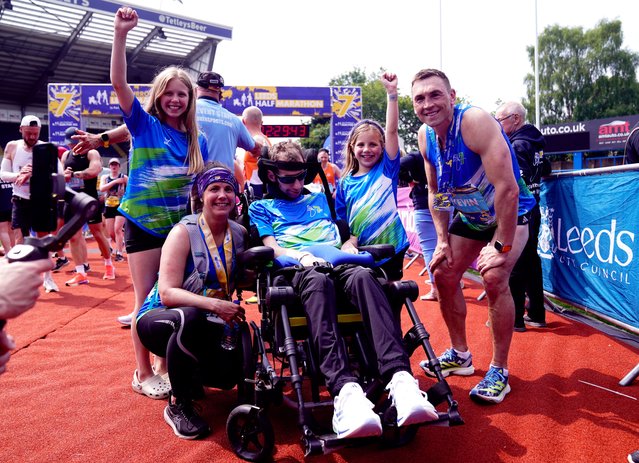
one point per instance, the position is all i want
(17, 169)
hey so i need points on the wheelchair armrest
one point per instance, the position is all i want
(378, 251)
(255, 257)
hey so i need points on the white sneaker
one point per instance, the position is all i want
(411, 403)
(49, 284)
(354, 415)
(127, 319)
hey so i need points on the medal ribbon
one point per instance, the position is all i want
(221, 272)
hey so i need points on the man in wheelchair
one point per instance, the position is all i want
(289, 222)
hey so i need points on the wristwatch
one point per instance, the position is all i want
(105, 139)
(502, 248)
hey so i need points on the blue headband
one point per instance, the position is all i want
(216, 174)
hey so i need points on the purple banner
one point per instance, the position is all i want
(101, 100)
(347, 111)
(279, 101)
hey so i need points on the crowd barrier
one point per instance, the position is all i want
(587, 241)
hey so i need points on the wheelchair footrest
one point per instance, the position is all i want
(439, 392)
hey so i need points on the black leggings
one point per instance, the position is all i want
(191, 345)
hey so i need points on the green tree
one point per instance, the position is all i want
(373, 107)
(583, 75)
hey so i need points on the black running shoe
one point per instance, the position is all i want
(59, 263)
(185, 421)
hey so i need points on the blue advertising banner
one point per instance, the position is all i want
(279, 101)
(64, 109)
(587, 242)
(347, 111)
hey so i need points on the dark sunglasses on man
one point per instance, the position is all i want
(290, 179)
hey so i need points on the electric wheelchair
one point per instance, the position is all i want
(284, 369)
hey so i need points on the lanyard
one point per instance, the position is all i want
(222, 273)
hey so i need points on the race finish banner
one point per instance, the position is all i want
(279, 101)
(69, 102)
(587, 242)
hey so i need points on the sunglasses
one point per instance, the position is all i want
(290, 179)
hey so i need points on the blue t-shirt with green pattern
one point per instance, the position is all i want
(296, 224)
(158, 189)
(369, 204)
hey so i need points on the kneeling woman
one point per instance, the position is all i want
(182, 318)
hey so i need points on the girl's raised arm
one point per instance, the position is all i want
(392, 114)
(125, 20)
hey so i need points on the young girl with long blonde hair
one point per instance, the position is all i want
(167, 153)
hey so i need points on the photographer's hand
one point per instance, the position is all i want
(20, 285)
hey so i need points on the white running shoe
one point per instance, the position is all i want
(354, 415)
(127, 319)
(411, 403)
(49, 284)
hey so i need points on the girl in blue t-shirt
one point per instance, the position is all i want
(367, 193)
(167, 152)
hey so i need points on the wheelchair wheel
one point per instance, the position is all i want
(394, 436)
(250, 433)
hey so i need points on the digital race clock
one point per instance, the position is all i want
(285, 131)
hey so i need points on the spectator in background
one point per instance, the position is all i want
(17, 169)
(631, 151)
(113, 185)
(332, 172)
(526, 277)
(471, 166)
(412, 171)
(81, 173)
(7, 237)
(252, 119)
(223, 130)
